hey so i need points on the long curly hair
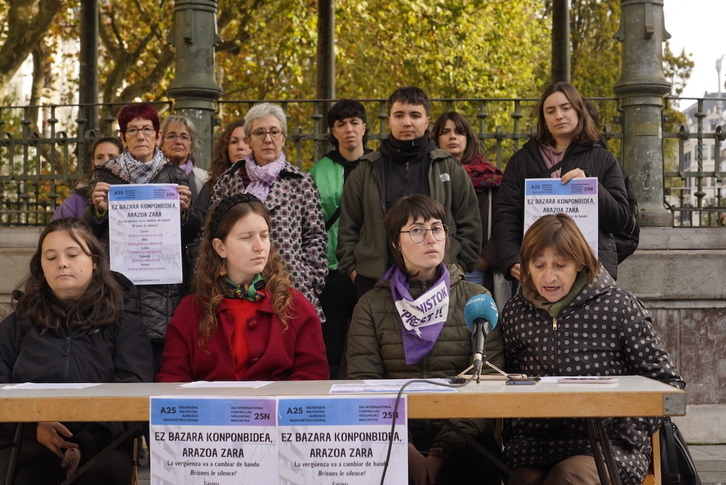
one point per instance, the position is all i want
(207, 283)
(100, 304)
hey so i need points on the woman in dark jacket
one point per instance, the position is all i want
(391, 337)
(565, 133)
(571, 319)
(73, 323)
(142, 162)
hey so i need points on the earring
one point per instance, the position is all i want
(223, 269)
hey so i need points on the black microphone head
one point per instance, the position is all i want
(481, 306)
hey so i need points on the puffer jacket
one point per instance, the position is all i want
(375, 351)
(361, 237)
(603, 330)
(111, 353)
(158, 302)
(595, 161)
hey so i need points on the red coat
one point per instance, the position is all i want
(298, 353)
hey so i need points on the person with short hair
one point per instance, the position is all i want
(566, 146)
(385, 343)
(103, 149)
(244, 320)
(74, 321)
(142, 162)
(406, 163)
(298, 227)
(348, 134)
(571, 319)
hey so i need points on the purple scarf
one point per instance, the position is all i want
(262, 176)
(422, 319)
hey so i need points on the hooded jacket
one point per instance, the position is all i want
(362, 237)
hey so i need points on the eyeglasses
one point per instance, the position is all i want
(418, 234)
(146, 131)
(173, 136)
(260, 134)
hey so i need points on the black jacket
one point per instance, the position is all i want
(595, 161)
(158, 302)
(111, 353)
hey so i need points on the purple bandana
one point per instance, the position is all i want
(422, 319)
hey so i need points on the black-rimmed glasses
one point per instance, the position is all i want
(418, 234)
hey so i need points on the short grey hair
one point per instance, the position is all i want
(263, 110)
(188, 124)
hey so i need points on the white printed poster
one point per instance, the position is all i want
(577, 198)
(213, 440)
(145, 233)
(342, 440)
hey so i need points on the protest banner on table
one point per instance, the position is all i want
(577, 198)
(145, 233)
(205, 440)
(333, 440)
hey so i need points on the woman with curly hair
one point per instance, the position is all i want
(244, 321)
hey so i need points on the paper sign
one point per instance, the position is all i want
(334, 440)
(577, 198)
(221, 441)
(145, 233)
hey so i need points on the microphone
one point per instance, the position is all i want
(481, 316)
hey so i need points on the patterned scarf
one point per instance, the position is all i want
(482, 173)
(422, 319)
(252, 292)
(141, 172)
(262, 176)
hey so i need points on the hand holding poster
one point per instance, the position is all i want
(145, 233)
(577, 198)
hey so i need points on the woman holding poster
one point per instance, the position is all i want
(571, 319)
(566, 146)
(244, 320)
(74, 321)
(384, 344)
(142, 162)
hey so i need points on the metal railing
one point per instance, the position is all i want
(44, 149)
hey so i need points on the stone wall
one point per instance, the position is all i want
(679, 274)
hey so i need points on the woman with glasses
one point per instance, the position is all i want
(142, 162)
(178, 142)
(290, 195)
(411, 326)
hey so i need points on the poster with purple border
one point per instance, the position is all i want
(342, 440)
(213, 440)
(577, 198)
(144, 233)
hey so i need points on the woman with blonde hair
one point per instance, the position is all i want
(244, 320)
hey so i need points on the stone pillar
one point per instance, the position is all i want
(641, 88)
(195, 88)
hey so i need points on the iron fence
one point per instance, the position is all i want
(44, 150)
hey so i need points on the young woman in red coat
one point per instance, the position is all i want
(245, 321)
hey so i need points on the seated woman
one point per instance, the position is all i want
(245, 321)
(73, 323)
(381, 345)
(568, 302)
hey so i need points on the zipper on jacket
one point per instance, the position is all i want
(555, 339)
(67, 347)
